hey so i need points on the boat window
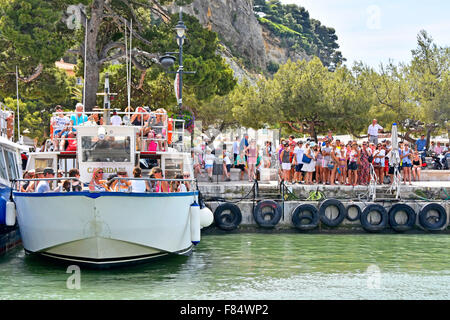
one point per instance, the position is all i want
(110, 149)
(11, 162)
(43, 163)
(173, 167)
(3, 173)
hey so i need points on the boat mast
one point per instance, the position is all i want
(129, 72)
(85, 64)
(18, 114)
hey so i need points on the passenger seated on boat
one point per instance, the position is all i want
(187, 184)
(139, 117)
(71, 141)
(126, 118)
(116, 120)
(110, 181)
(121, 185)
(97, 184)
(178, 186)
(138, 185)
(160, 128)
(76, 184)
(39, 174)
(78, 118)
(60, 124)
(44, 186)
(95, 119)
(24, 184)
(160, 186)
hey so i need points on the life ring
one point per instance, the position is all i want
(410, 222)
(342, 212)
(358, 215)
(367, 225)
(438, 223)
(305, 212)
(274, 213)
(227, 221)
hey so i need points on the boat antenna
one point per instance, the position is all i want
(85, 64)
(18, 111)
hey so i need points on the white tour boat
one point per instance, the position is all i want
(103, 228)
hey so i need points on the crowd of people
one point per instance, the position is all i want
(326, 161)
(153, 135)
(114, 183)
(247, 156)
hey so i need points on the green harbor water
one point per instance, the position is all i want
(255, 266)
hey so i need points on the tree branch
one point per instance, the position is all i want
(37, 72)
(108, 47)
(120, 21)
(133, 13)
(141, 81)
(156, 8)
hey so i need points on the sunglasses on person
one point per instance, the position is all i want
(186, 175)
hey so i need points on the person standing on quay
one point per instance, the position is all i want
(252, 152)
(243, 145)
(235, 150)
(373, 131)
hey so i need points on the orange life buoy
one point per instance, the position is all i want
(169, 129)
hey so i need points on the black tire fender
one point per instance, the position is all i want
(275, 213)
(358, 208)
(300, 213)
(341, 216)
(374, 227)
(227, 221)
(438, 223)
(398, 207)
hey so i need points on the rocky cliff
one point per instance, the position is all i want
(243, 37)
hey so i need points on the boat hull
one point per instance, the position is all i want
(106, 228)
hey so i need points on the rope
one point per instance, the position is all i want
(220, 199)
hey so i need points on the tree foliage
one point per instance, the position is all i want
(299, 32)
(307, 98)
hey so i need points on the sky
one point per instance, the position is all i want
(380, 30)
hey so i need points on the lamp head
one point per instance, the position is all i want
(180, 28)
(167, 61)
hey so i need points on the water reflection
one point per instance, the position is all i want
(254, 266)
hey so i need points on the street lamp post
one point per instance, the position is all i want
(180, 29)
(168, 60)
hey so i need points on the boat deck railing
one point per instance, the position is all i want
(150, 182)
(152, 134)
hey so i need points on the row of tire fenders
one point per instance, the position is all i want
(227, 216)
